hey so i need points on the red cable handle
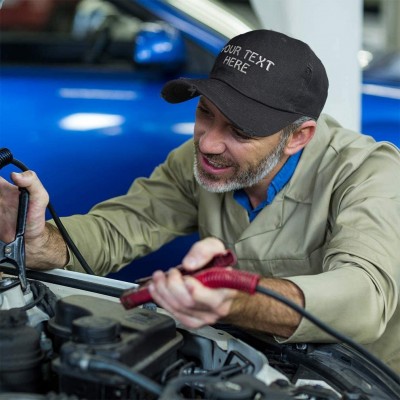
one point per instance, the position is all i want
(231, 279)
(217, 277)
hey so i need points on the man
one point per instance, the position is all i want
(311, 206)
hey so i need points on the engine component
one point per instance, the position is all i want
(143, 341)
(21, 353)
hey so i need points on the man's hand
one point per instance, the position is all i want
(38, 200)
(193, 304)
(44, 246)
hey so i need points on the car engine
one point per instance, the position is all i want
(85, 345)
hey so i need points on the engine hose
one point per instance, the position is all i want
(90, 362)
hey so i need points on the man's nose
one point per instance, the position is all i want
(212, 141)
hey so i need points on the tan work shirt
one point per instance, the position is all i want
(334, 230)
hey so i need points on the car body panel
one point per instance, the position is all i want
(381, 111)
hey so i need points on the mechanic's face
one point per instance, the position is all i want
(225, 158)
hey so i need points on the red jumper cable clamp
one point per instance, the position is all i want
(213, 275)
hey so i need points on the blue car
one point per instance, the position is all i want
(80, 94)
(381, 98)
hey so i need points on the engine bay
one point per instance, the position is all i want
(58, 341)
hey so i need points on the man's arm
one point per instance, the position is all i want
(114, 232)
(263, 313)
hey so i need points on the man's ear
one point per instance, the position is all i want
(300, 138)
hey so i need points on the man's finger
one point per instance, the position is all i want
(169, 290)
(202, 252)
(28, 180)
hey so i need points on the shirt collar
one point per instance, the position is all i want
(280, 180)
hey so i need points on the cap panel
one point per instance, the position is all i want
(262, 81)
(247, 114)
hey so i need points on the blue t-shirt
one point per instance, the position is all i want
(279, 181)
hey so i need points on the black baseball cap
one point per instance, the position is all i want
(262, 81)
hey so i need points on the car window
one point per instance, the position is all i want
(65, 31)
(82, 33)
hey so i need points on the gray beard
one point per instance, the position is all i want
(242, 179)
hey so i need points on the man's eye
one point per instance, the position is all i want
(203, 110)
(239, 134)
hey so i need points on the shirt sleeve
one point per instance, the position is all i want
(153, 212)
(357, 292)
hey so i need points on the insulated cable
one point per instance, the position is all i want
(220, 277)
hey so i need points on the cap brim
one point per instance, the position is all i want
(252, 117)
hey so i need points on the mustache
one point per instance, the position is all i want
(217, 160)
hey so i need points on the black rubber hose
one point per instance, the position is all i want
(88, 362)
(331, 331)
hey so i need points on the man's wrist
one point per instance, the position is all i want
(48, 251)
